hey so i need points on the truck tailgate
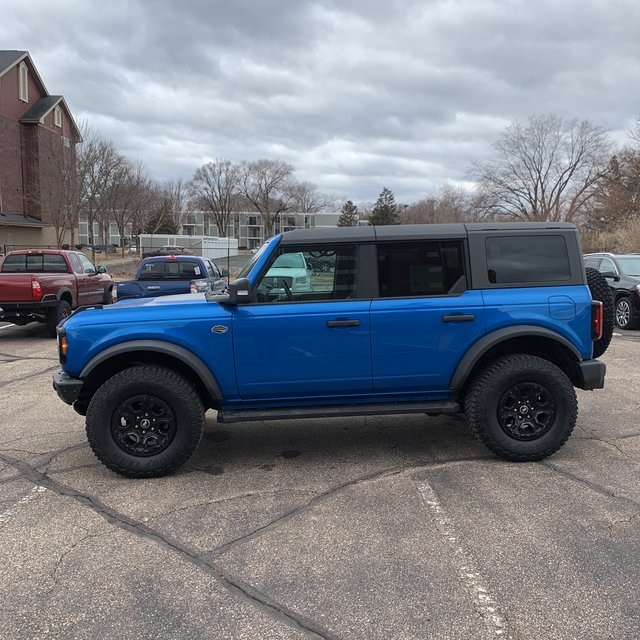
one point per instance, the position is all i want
(15, 287)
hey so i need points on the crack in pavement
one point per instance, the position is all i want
(232, 584)
(289, 515)
(594, 436)
(4, 383)
(594, 486)
(17, 357)
(623, 521)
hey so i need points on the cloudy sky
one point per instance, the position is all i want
(355, 94)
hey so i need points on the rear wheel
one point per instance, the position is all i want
(56, 315)
(145, 421)
(521, 407)
(601, 291)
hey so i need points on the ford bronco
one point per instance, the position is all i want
(498, 321)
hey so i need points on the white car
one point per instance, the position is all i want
(289, 271)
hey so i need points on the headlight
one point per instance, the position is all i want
(302, 280)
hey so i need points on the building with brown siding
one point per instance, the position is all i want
(38, 137)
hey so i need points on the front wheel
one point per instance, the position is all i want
(521, 407)
(145, 422)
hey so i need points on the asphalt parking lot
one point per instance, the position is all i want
(363, 528)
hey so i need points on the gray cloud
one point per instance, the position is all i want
(356, 94)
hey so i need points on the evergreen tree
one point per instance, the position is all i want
(385, 210)
(348, 215)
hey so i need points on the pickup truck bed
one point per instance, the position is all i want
(172, 275)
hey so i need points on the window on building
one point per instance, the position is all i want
(426, 268)
(23, 91)
(57, 117)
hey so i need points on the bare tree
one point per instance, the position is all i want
(450, 203)
(215, 189)
(98, 165)
(269, 186)
(547, 169)
(308, 199)
(129, 198)
(58, 192)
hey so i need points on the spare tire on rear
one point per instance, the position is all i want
(600, 290)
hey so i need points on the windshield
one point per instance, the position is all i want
(256, 256)
(289, 261)
(630, 266)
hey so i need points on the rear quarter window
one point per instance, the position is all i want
(527, 259)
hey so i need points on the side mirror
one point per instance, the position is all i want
(611, 274)
(239, 291)
(102, 269)
(225, 273)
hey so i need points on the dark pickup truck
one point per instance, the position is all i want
(44, 285)
(171, 275)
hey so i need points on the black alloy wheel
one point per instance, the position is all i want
(143, 425)
(526, 411)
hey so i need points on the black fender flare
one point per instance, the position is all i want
(158, 346)
(479, 348)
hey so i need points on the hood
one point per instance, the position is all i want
(181, 298)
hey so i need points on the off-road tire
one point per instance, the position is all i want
(496, 382)
(626, 317)
(601, 291)
(169, 389)
(55, 315)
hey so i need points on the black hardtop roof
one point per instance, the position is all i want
(410, 231)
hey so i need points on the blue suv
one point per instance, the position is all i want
(496, 321)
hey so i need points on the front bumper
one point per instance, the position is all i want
(592, 373)
(67, 388)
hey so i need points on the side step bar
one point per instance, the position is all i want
(290, 413)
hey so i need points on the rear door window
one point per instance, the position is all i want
(425, 268)
(526, 259)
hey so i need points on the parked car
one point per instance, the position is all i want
(168, 250)
(44, 285)
(494, 320)
(289, 273)
(622, 273)
(104, 248)
(170, 275)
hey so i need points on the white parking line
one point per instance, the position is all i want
(466, 566)
(32, 495)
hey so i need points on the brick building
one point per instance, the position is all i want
(38, 137)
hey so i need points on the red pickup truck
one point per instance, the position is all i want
(44, 285)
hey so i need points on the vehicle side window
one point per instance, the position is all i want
(607, 266)
(426, 268)
(525, 259)
(211, 269)
(310, 274)
(87, 265)
(75, 263)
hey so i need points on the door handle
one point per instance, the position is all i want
(153, 288)
(459, 318)
(332, 324)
